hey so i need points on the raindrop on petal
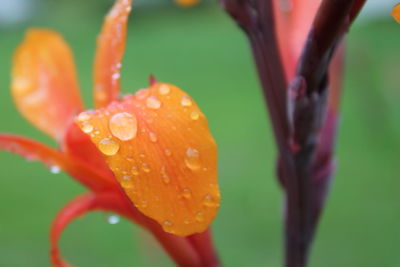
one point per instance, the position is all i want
(194, 115)
(108, 146)
(123, 126)
(153, 102)
(186, 101)
(164, 89)
(153, 137)
(192, 159)
(186, 193)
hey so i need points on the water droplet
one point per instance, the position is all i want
(123, 126)
(87, 127)
(135, 170)
(186, 101)
(209, 201)
(108, 146)
(167, 223)
(55, 169)
(186, 193)
(194, 115)
(84, 116)
(153, 102)
(116, 76)
(153, 137)
(126, 182)
(144, 203)
(145, 167)
(113, 219)
(186, 221)
(200, 216)
(142, 93)
(166, 179)
(192, 160)
(168, 152)
(164, 89)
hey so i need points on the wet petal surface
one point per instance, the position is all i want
(165, 160)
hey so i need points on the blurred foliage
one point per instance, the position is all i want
(202, 51)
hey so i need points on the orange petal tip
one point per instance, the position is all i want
(159, 147)
(396, 13)
(186, 3)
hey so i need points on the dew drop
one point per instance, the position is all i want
(165, 176)
(200, 216)
(135, 170)
(186, 193)
(168, 152)
(145, 167)
(186, 221)
(166, 179)
(209, 201)
(153, 102)
(153, 137)
(167, 223)
(108, 146)
(84, 116)
(192, 159)
(113, 219)
(194, 115)
(164, 89)
(87, 127)
(186, 101)
(55, 169)
(144, 203)
(123, 125)
(126, 182)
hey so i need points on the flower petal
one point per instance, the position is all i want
(187, 3)
(178, 248)
(159, 147)
(32, 150)
(44, 83)
(294, 20)
(76, 208)
(110, 49)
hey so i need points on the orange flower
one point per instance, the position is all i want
(187, 3)
(149, 156)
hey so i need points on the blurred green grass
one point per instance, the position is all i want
(204, 53)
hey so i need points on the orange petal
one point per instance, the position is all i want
(186, 3)
(44, 83)
(110, 49)
(396, 12)
(32, 150)
(159, 147)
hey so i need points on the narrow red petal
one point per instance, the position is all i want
(32, 150)
(179, 248)
(76, 208)
(110, 49)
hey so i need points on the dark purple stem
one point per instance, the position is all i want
(304, 131)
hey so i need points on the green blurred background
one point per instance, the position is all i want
(203, 52)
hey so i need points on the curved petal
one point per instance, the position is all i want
(78, 146)
(294, 19)
(44, 84)
(110, 49)
(178, 248)
(32, 150)
(158, 145)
